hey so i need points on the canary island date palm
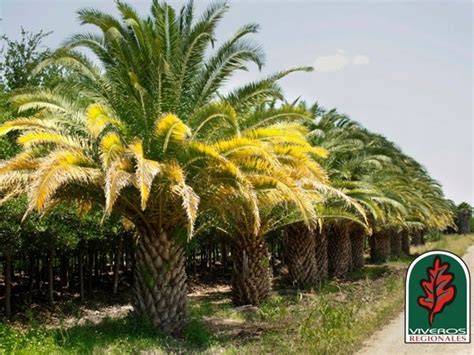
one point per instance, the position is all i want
(395, 191)
(348, 161)
(144, 134)
(286, 181)
(307, 250)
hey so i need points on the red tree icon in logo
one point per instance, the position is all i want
(437, 289)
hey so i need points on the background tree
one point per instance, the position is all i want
(21, 57)
(464, 213)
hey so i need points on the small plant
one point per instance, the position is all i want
(197, 334)
(434, 236)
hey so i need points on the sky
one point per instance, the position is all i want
(403, 69)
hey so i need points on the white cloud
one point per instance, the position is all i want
(339, 61)
(333, 62)
(360, 59)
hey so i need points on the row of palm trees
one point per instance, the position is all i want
(145, 130)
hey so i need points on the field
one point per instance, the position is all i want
(334, 318)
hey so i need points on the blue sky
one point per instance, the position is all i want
(403, 69)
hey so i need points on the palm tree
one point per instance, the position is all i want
(463, 217)
(145, 134)
(287, 181)
(347, 163)
(300, 247)
(395, 191)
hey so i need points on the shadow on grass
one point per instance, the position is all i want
(130, 334)
(371, 272)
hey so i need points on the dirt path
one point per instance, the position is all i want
(390, 339)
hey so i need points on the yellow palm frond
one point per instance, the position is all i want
(111, 148)
(34, 138)
(174, 174)
(277, 134)
(145, 172)
(198, 150)
(98, 117)
(201, 151)
(59, 168)
(299, 162)
(118, 176)
(25, 160)
(319, 152)
(20, 124)
(254, 163)
(262, 181)
(171, 129)
(13, 184)
(189, 202)
(226, 146)
(212, 118)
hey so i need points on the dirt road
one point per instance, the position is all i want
(390, 339)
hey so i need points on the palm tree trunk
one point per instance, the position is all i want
(395, 244)
(321, 254)
(379, 247)
(405, 242)
(160, 281)
(339, 251)
(251, 280)
(422, 236)
(358, 248)
(300, 248)
(417, 237)
(463, 219)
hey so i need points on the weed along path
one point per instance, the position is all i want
(390, 340)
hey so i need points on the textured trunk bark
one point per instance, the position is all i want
(463, 222)
(379, 247)
(416, 238)
(8, 282)
(395, 244)
(339, 251)
(321, 255)
(301, 258)
(160, 281)
(117, 261)
(422, 237)
(405, 242)
(251, 280)
(358, 248)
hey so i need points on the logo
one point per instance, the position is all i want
(437, 299)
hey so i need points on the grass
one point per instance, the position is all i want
(336, 318)
(454, 243)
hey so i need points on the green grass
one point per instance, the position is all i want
(335, 318)
(454, 243)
